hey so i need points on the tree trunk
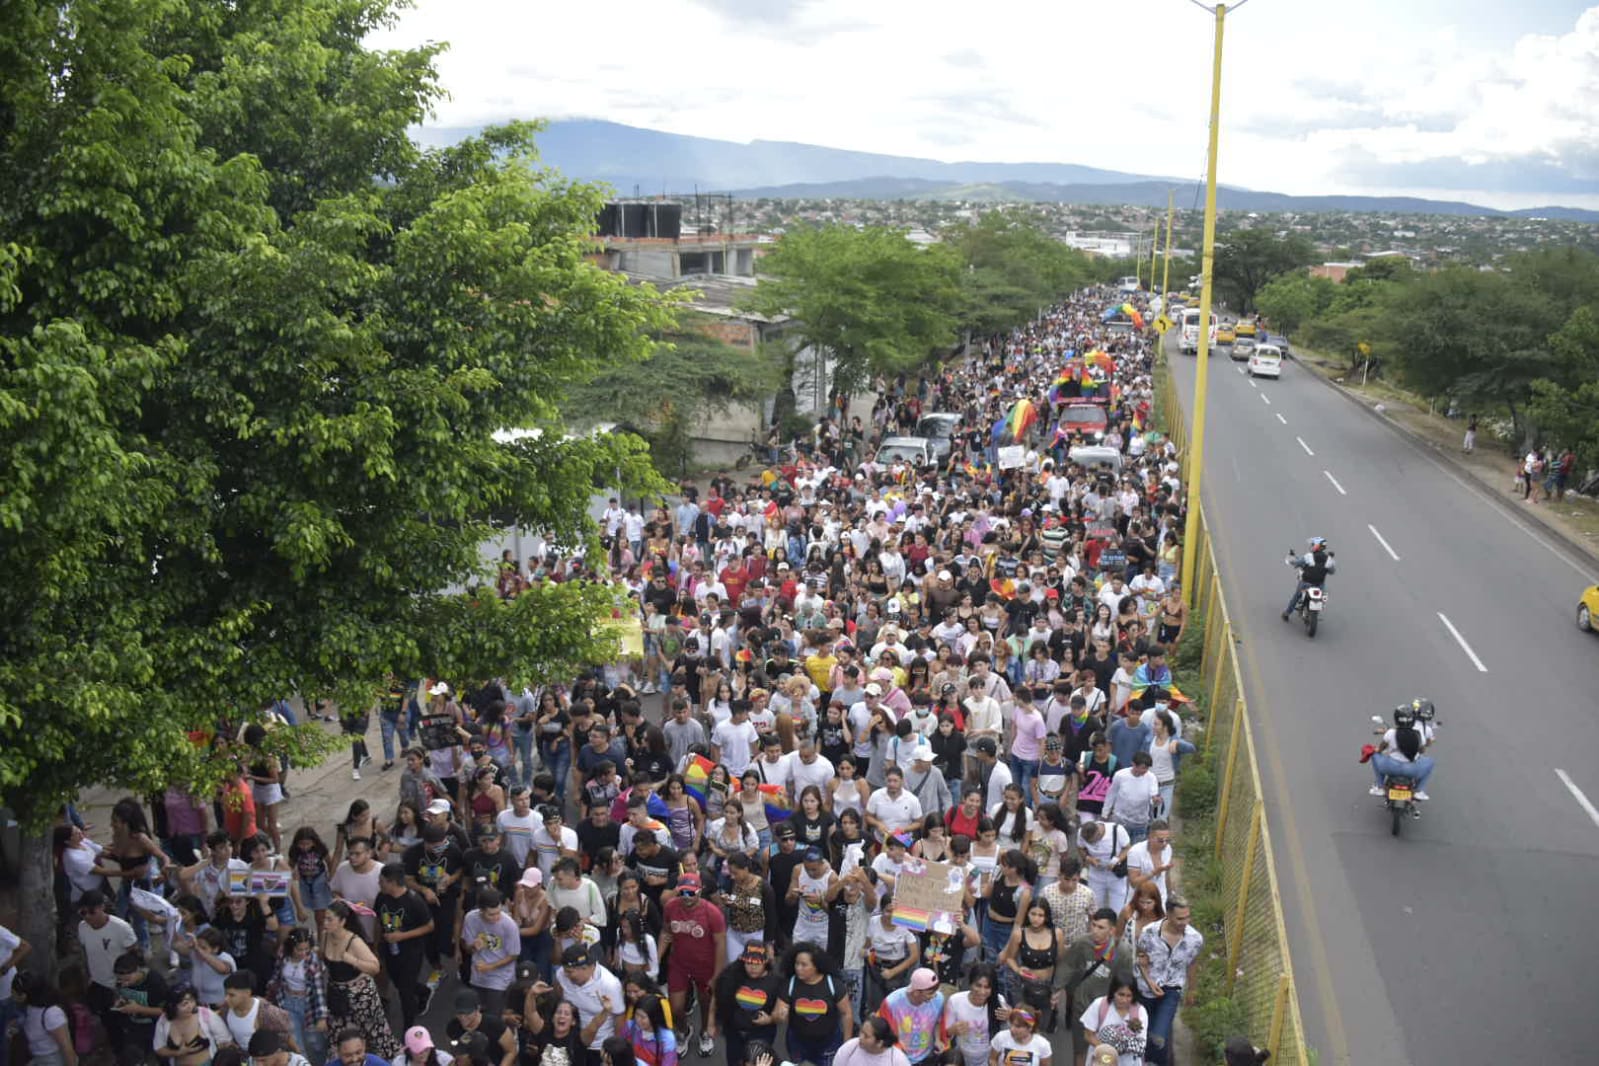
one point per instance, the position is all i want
(36, 903)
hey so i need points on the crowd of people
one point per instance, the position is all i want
(852, 674)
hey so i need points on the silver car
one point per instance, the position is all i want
(915, 450)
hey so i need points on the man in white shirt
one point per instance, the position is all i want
(1132, 796)
(993, 770)
(888, 640)
(519, 823)
(613, 518)
(773, 764)
(104, 937)
(733, 742)
(1151, 858)
(984, 716)
(1113, 594)
(891, 809)
(807, 766)
(80, 860)
(593, 990)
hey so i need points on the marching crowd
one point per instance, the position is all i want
(852, 678)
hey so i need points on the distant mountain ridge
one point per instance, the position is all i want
(646, 162)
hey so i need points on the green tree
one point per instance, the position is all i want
(687, 376)
(1480, 337)
(1291, 300)
(254, 349)
(877, 302)
(1012, 269)
(1249, 258)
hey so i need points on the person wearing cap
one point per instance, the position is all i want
(433, 869)
(992, 775)
(699, 933)
(926, 782)
(267, 1048)
(746, 1003)
(914, 1013)
(596, 993)
(421, 1051)
(474, 1026)
(405, 927)
(1019, 1043)
(810, 890)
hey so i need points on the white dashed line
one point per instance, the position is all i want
(1481, 669)
(1571, 786)
(1266, 398)
(1385, 546)
(1335, 484)
(1305, 446)
(1283, 420)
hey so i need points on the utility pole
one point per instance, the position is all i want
(1196, 445)
(1165, 274)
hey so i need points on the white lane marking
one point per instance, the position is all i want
(1252, 384)
(1571, 786)
(1305, 446)
(1385, 547)
(1481, 669)
(1240, 370)
(1283, 420)
(1263, 396)
(1335, 484)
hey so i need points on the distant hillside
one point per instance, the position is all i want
(1141, 193)
(649, 162)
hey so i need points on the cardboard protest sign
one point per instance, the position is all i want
(258, 882)
(928, 894)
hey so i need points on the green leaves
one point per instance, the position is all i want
(878, 302)
(255, 347)
(1250, 258)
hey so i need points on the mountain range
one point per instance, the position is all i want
(642, 162)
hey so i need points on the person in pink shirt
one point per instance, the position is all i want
(1028, 730)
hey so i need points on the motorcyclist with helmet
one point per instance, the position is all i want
(1402, 752)
(1313, 567)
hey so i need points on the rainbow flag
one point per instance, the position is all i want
(778, 807)
(1021, 416)
(913, 918)
(697, 778)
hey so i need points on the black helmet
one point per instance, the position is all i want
(1424, 710)
(1404, 716)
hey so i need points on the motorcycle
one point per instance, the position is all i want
(1399, 793)
(1311, 603)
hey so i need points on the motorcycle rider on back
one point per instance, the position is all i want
(1313, 567)
(1402, 753)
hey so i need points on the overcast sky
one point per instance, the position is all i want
(1492, 101)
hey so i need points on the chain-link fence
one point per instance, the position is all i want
(1260, 975)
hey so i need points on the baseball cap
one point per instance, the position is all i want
(576, 955)
(922, 753)
(874, 689)
(924, 980)
(813, 854)
(467, 1001)
(784, 831)
(439, 806)
(754, 952)
(985, 746)
(418, 1040)
(532, 877)
(489, 830)
(440, 689)
(688, 883)
(945, 575)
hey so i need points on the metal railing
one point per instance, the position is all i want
(1260, 972)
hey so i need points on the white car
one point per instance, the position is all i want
(1266, 362)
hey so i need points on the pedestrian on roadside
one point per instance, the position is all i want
(1469, 445)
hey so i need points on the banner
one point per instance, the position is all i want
(1011, 456)
(438, 731)
(929, 895)
(258, 882)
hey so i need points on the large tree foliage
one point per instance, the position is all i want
(254, 347)
(688, 376)
(879, 303)
(1249, 258)
(1013, 270)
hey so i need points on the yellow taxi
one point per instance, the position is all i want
(1226, 334)
(1588, 608)
(1246, 329)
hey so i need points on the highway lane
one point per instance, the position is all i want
(1471, 931)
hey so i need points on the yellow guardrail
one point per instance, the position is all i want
(1260, 972)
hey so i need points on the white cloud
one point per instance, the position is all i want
(1309, 91)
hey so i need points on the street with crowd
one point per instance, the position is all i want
(847, 674)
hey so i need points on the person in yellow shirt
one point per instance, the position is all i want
(819, 666)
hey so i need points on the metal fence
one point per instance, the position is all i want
(1260, 973)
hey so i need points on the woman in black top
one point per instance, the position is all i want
(746, 1002)
(814, 825)
(814, 1001)
(1030, 959)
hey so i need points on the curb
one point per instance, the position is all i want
(1587, 552)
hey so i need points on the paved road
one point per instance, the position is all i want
(1474, 930)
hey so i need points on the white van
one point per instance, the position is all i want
(1128, 285)
(1266, 361)
(1188, 342)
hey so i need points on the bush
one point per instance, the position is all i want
(1191, 649)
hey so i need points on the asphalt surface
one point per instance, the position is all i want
(1470, 933)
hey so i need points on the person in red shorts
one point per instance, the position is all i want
(696, 933)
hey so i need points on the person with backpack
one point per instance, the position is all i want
(815, 1004)
(47, 1027)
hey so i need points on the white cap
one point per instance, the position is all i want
(945, 575)
(440, 689)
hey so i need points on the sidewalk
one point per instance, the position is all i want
(1572, 522)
